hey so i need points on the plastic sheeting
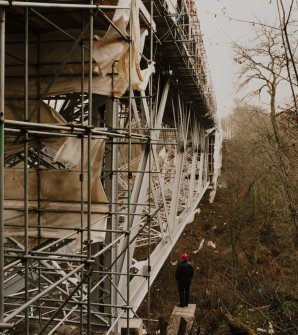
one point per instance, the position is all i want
(110, 55)
(14, 110)
(54, 196)
(217, 162)
(70, 154)
(54, 201)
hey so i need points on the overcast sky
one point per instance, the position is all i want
(219, 32)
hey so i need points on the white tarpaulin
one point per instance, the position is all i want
(110, 53)
(59, 203)
(217, 154)
(54, 196)
(14, 110)
(70, 154)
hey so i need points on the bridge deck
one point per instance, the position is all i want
(183, 53)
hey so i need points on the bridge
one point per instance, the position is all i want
(109, 141)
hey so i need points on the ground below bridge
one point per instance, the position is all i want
(245, 278)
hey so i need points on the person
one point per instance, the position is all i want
(183, 275)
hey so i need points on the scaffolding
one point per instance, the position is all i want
(107, 124)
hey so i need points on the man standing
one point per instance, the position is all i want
(183, 275)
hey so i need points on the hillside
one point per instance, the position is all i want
(245, 272)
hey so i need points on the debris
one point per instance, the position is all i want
(211, 244)
(271, 329)
(200, 246)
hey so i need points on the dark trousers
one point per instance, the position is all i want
(183, 289)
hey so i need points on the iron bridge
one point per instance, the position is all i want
(109, 141)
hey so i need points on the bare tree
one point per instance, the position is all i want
(263, 72)
(290, 44)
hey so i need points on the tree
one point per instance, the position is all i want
(264, 72)
(289, 40)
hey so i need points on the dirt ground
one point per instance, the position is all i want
(207, 240)
(231, 298)
(202, 241)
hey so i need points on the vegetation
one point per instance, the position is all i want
(246, 279)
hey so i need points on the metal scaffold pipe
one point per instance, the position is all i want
(89, 172)
(40, 295)
(2, 90)
(26, 158)
(57, 5)
(99, 128)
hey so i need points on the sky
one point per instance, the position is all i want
(219, 31)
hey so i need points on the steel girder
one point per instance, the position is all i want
(171, 178)
(155, 173)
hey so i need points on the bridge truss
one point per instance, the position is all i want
(109, 141)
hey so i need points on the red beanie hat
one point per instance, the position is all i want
(184, 257)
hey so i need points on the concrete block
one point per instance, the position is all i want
(135, 327)
(187, 313)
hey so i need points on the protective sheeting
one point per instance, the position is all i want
(60, 60)
(70, 154)
(54, 202)
(53, 219)
(217, 154)
(54, 196)
(14, 110)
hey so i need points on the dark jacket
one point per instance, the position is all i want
(184, 272)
